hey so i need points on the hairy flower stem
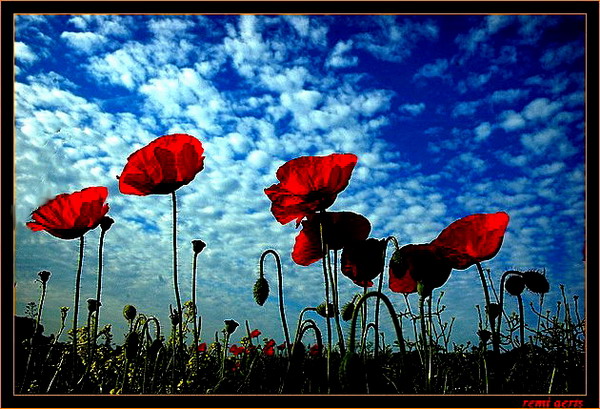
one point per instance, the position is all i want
(379, 288)
(336, 301)
(424, 334)
(280, 289)
(430, 345)
(195, 310)
(393, 316)
(326, 281)
(98, 291)
(76, 311)
(175, 284)
(495, 340)
(300, 321)
(35, 331)
(521, 320)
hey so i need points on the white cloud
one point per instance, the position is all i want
(483, 131)
(511, 121)
(412, 109)
(465, 108)
(24, 54)
(540, 109)
(337, 59)
(432, 70)
(85, 42)
(566, 54)
(508, 96)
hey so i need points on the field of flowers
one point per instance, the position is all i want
(512, 357)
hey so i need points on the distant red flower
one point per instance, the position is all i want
(202, 347)
(69, 216)
(418, 262)
(472, 239)
(362, 261)
(235, 350)
(162, 166)
(269, 349)
(255, 334)
(281, 346)
(314, 350)
(308, 184)
(339, 229)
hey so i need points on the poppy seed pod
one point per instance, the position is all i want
(493, 311)
(44, 276)
(347, 311)
(230, 326)
(93, 304)
(515, 285)
(106, 222)
(261, 291)
(129, 312)
(321, 310)
(198, 246)
(536, 282)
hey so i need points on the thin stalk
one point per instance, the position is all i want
(76, 309)
(521, 320)
(430, 344)
(336, 301)
(326, 281)
(379, 288)
(423, 337)
(363, 315)
(98, 290)
(195, 309)
(297, 334)
(495, 341)
(280, 289)
(175, 283)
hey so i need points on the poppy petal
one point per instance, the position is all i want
(363, 260)
(472, 239)
(415, 263)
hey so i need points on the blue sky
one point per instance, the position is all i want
(449, 115)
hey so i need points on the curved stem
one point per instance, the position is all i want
(280, 288)
(300, 322)
(488, 308)
(98, 291)
(76, 310)
(326, 281)
(175, 283)
(393, 315)
(379, 288)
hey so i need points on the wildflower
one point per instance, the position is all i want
(202, 347)
(230, 326)
(309, 184)
(44, 276)
(198, 246)
(255, 334)
(314, 350)
(69, 216)
(416, 263)
(363, 260)
(339, 229)
(235, 350)
(269, 349)
(106, 223)
(162, 166)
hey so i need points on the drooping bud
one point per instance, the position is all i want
(129, 312)
(44, 276)
(261, 290)
(536, 282)
(515, 285)
(93, 304)
(106, 222)
(347, 311)
(328, 312)
(198, 246)
(230, 326)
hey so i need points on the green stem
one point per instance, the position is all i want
(495, 341)
(326, 281)
(379, 288)
(175, 283)
(521, 320)
(35, 331)
(98, 290)
(195, 310)
(76, 310)
(336, 301)
(280, 289)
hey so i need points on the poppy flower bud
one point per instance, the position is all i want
(515, 285)
(484, 335)
(347, 311)
(44, 276)
(129, 312)
(230, 326)
(328, 312)
(131, 345)
(106, 222)
(198, 246)
(93, 304)
(261, 291)
(536, 282)
(175, 318)
(493, 311)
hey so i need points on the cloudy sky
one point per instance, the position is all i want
(449, 116)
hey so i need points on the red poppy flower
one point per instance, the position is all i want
(314, 350)
(255, 333)
(339, 229)
(282, 346)
(202, 347)
(308, 184)
(162, 166)
(472, 239)
(69, 216)
(415, 263)
(235, 350)
(269, 349)
(362, 261)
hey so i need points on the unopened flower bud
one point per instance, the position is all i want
(261, 290)
(536, 282)
(93, 304)
(198, 246)
(44, 276)
(347, 311)
(328, 312)
(129, 312)
(515, 285)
